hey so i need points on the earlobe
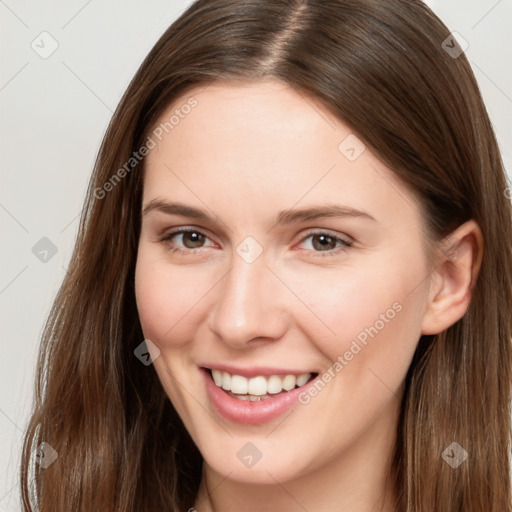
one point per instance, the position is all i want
(452, 281)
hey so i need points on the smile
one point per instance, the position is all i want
(259, 396)
(259, 387)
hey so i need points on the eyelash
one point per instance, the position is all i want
(342, 248)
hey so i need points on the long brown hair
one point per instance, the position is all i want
(382, 67)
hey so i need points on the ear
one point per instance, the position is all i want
(453, 279)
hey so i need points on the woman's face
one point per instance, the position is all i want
(303, 257)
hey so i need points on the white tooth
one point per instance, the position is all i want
(217, 377)
(302, 379)
(257, 386)
(243, 397)
(226, 381)
(274, 385)
(289, 382)
(254, 398)
(239, 384)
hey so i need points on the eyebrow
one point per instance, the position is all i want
(289, 216)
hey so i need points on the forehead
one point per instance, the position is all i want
(246, 116)
(268, 140)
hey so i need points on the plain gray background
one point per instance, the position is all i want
(54, 111)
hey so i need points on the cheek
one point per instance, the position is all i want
(165, 302)
(347, 305)
(371, 317)
(169, 297)
(151, 296)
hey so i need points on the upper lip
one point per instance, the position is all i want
(254, 371)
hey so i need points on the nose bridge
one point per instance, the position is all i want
(248, 306)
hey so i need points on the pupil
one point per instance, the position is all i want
(323, 240)
(194, 238)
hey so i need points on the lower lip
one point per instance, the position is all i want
(245, 411)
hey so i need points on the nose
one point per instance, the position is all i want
(250, 304)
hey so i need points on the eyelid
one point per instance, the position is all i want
(345, 244)
(319, 231)
(167, 235)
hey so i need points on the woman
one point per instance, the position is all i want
(291, 285)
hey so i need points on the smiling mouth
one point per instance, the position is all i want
(259, 387)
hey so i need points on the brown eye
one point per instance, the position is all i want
(193, 239)
(323, 242)
(185, 240)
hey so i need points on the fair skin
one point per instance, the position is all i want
(244, 154)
